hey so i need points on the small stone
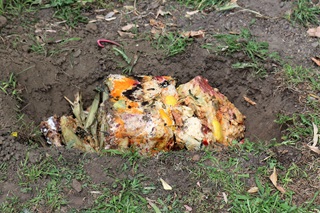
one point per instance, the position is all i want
(77, 53)
(91, 27)
(3, 21)
(76, 185)
(315, 44)
(196, 157)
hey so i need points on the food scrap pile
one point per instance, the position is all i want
(149, 114)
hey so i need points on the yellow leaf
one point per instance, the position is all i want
(165, 185)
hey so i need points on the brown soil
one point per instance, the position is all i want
(45, 79)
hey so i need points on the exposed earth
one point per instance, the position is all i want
(63, 67)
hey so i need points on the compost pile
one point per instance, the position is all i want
(149, 114)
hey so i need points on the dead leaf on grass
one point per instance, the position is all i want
(126, 34)
(129, 27)
(315, 140)
(191, 13)
(193, 34)
(316, 60)
(162, 13)
(274, 179)
(249, 100)
(155, 23)
(188, 208)
(314, 32)
(225, 198)
(165, 185)
(128, 7)
(253, 190)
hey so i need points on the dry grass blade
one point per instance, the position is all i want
(94, 129)
(78, 110)
(93, 111)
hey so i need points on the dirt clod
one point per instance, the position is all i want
(3, 21)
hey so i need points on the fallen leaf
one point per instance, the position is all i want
(315, 134)
(193, 34)
(314, 149)
(128, 7)
(314, 32)
(155, 23)
(126, 34)
(110, 19)
(249, 100)
(165, 185)
(316, 60)
(198, 184)
(109, 15)
(188, 208)
(162, 13)
(225, 198)
(129, 27)
(253, 190)
(191, 13)
(100, 17)
(274, 179)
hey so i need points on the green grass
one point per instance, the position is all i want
(203, 4)
(128, 64)
(298, 126)
(10, 87)
(128, 199)
(172, 43)
(70, 11)
(257, 52)
(305, 13)
(300, 78)
(16, 7)
(229, 176)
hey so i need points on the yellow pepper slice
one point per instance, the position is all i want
(217, 130)
(170, 100)
(165, 117)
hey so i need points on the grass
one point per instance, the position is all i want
(203, 4)
(298, 126)
(16, 7)
(128, 64)
(299, 78)
(231, 178)
(69, 11)
(42, 48)
(172, 43)
(244, 42)
(10, 87)
(305, 13)
(128, 199)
